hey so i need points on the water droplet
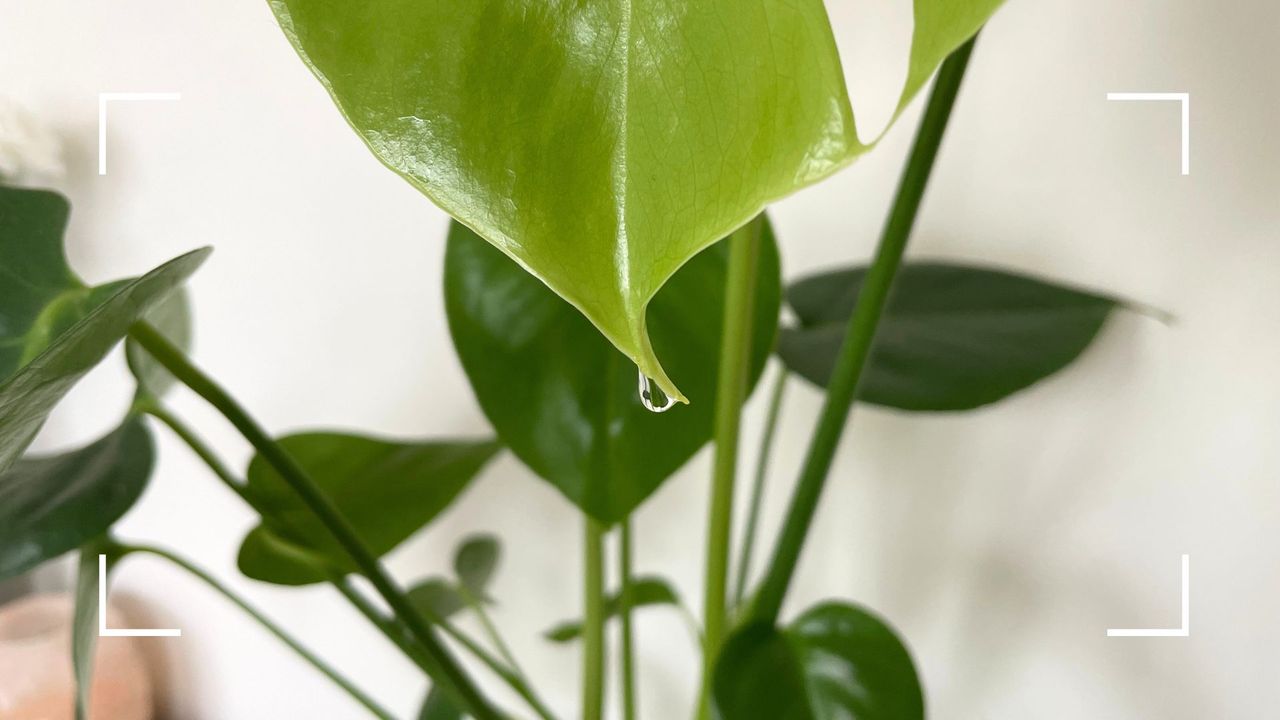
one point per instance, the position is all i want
(652, 397)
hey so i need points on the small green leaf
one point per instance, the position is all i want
(52, 505)
(835, 662)
(387, 491)
(438, 707)
(475, 562)
(564, 400)
(30, 393)
(645, 591)
(173, 319)
(953, 337)
(439, 597)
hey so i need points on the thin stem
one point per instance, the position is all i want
(444, 668)
(628, 632)
(757, 487)
(491, 631)
(731, 390)
(198, 446)
(843, 386)
(267, 624)
(593, 622)
(400, 636)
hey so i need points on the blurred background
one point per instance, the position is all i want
(1002, 543)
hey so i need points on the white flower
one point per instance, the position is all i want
(30, 153)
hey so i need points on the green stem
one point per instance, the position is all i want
(491, 631)
(628, 632)
(731, 390)
(842, 388)
(267, 624)
(444, 668)
(198, 446)
(757, 487)
(593, 622)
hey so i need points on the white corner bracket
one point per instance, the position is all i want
(103, 630)
(1181, 97)
(103, 99)
(1185, 630)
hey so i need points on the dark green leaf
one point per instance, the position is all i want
(953, 337)
(564, 400)
(835, 662)
(645, 591)
(476, 561)
(387, 490)
(52, 505)
(438, 707)
(600, 144)
(438, 597)
(173, 319)
(30, 393)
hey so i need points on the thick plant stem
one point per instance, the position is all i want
(445, 669)
(593, 650)
(731, 390)
(757, 487)
(628, 631)
(842, 388)
(267, 624)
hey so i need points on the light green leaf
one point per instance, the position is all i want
(173, 319)
(953, 337)
(599, 144)
(835, 662)
(438, 707)
(52, 505)
(941, 26)
(564, 400)
(645, 591)
(30, 393)
(387, 491)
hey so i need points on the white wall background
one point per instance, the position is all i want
(1002, 543)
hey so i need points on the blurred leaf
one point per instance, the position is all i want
(173, 319)
(53, 329)
(835, 662)
(476, 561)
(386, 490)
(84, 624)
(645, 591)
(564, 400)
(438, 707)
(953, 337)
(598, 144)
(54, 504)
(439, 597)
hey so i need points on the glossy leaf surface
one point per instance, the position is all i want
(387, 490)
(54, 504)
(953, 337)
(564, 400)
(600, 144)
(645, 591)
(30, 393)
(835, 662)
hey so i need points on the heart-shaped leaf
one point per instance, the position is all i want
(599, 144)
(602, 144)
(387, 491)
(564, 400)
(645, 591)
(953, 337)
(52, 505)
(835, 662)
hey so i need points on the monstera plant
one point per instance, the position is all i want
(613, 290)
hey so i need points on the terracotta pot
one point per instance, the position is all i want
(36, 681)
